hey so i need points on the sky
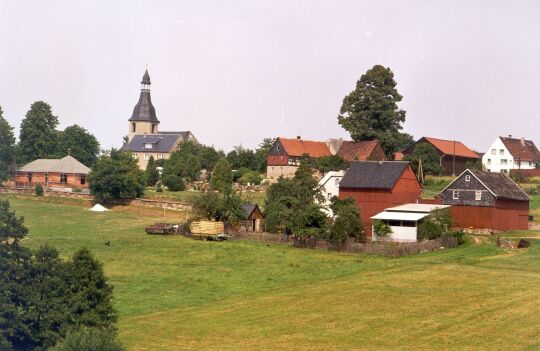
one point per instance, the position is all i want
(235, 72)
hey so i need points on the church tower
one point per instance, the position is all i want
(143, 120)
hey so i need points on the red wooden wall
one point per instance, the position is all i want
(506, 215)
(372, 201)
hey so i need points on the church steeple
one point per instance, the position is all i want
(143, 119)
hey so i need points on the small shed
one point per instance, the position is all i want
(404, 220)
(254, 217)
(65, 172)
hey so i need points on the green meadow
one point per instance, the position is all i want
(174, 293)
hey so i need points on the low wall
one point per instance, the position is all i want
(169, 205)
(390, 249)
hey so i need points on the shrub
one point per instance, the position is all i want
(347, 221)
(159, 188)
(39, 190)
(459, 234)
(88, 339)
(239, 173)
(436, 224)
(531, 190)
(381, 229)
(250, 177)
(174, 183)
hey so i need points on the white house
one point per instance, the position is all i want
(403, 221)
(507, 153)
(329, 185)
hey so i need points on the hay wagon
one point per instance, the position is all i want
(208, 230)
(163, 228)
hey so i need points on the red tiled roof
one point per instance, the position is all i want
(447, 147)
(523, 150)
(298, 147)
(398, 156)
(357, 151)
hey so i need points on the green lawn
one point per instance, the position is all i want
(185, 196)
(174, 293)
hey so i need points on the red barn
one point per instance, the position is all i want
(376, 186)
(485, 200)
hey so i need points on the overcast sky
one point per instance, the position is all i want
(234, 72)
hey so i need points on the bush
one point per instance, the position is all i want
(159, 188)
(87, 339)
(381, 229)
(39, 190)
(531, 190)
(436, 224)
(174, 183)
(250, 177)
(239, 173)
(459, 234)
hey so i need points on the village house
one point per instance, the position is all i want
(284, 157)
(61, 173)
(329, 185)
(507, 153)
(361, 151)
(254, 218)
(485, 200)
(144, 138)
(404, 220)
(376, 186)
(454, 156)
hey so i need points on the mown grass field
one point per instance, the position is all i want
(174, 293)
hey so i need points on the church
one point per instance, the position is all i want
(144, 138)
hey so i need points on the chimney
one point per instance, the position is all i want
(298, 137)
(510, 136)
(522, 141)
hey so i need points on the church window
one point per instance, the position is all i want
(133, 127)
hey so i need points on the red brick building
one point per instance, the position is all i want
(66, 172)
(485, 200)
(376, 186)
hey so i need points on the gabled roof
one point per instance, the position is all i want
(521, 149)
(373, 174)
(499, 184)
(249, 208)
(67, 164)
(298, 147)
(357, 150)
(447, 147)
(330, 175)
(160, 142)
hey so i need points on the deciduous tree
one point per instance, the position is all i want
(371, 111)
(7, 148)
(38, 136)
(222, 176)
(79, 143)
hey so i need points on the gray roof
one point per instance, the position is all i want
(162, 142)
(248, 208)
(144, 110)
(501, 185)
(67, 164)
(146, 78)
(373, 174)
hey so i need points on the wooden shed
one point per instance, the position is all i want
(253, 222)
(377, 185)
(485, 200)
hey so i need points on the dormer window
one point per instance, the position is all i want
(148, 145)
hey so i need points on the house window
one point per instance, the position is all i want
(337, 180)
(329, 196)
(134, 156)
(133, 127)
(63, 178)
(29, 176)
(159, 156)
(478, 195)
(153, 128)
(83, 179)
(493, 151)
(277, 147)
(504, 171)
(146, 156)
(455, 194)
(467, 178)
(148, 145)
(46, 178)
(504, 161)
(488, 161)
(501, 152)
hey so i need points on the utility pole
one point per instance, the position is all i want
(454, 161)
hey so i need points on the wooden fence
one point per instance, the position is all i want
(391, 249)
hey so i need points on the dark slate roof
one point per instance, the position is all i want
(146, 78)
(248, 208)
(373, 174)
(144, 110)
(161, 142)
(501, 185)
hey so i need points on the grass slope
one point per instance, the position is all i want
(175, 293)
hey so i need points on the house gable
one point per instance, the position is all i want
(465, 188)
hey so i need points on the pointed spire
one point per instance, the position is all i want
(146, 78)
